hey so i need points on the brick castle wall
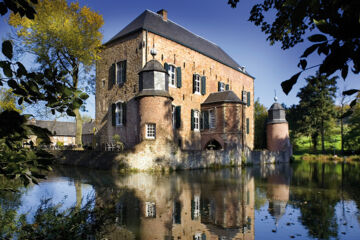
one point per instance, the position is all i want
(136, 50)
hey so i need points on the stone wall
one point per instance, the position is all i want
(153, 156)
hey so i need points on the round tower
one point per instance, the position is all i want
(277, 129)
(155, 103)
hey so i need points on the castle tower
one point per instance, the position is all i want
(277, 129)
(155, 103)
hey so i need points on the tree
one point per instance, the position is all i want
(336, 20)
(8, 101)
(65, 37)
(45, 85)
(352, 138)
(317, 107)
(260, 125)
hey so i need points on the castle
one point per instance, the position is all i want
(158, 82)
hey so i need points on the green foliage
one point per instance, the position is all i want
(8, 101)
(336, 20)
(352, 138)
(260, 125)
(65, 37)
(316, 107)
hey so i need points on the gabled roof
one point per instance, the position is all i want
(222, 97)
(58, 128)
(64, 128)
(154, 23)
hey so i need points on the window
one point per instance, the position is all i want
(221, 87)
(121, 72)
(196, 209)
(197, 236)
(172, 79)
(119, 114)
(195, 120)
(212, 121)
(150, 209)
(150, 131)
(196, 83)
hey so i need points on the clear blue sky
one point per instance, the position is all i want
(217, 22)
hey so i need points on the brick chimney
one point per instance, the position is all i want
(163, 13)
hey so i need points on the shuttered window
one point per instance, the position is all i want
(172, 77)
(196, 83)
(121, 73)
(244, 96)
(111, 76)
(203, 85)
(177, 117)
(212, 121)
(247, 126)
(118, 114)
(178, 77)
(221, 86)
(195, 120)
(227, 87)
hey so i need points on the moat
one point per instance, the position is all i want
(301, 201)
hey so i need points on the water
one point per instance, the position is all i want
(301, 201)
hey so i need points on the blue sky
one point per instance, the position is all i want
(217, 22)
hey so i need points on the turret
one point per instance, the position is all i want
(155, 103)
(277, 129)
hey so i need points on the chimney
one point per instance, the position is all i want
(163, 13)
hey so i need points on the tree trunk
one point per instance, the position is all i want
(342, 130)
(78, 135)
(314, 138)
(322, 136)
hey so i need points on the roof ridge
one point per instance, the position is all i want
(185, 29)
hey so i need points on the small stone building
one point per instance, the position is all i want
(64, 132)
(204, 101)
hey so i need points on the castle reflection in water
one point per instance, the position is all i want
(192, 205)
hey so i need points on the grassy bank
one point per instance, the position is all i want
(325, 158)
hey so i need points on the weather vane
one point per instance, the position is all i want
(153, 51)
(275, 98)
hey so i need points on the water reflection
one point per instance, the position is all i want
(306, 201)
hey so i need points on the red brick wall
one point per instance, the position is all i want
(277, 136)
(156, 110)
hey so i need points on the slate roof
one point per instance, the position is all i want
(221, 97)
(88, 128)
(151, 92)
(276, 106)
(58, 128)
(64, 128)
(153, 65)
(154, 23)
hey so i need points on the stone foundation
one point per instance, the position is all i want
(145, 156)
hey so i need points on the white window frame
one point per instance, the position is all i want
(118, 72)
(212, 118)
(196, 120)
(119, 115)
(172, 75)
(222, 87)
(150, 209)
(198, 236)
(197, 83)
(150, 131)
(196, 206)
